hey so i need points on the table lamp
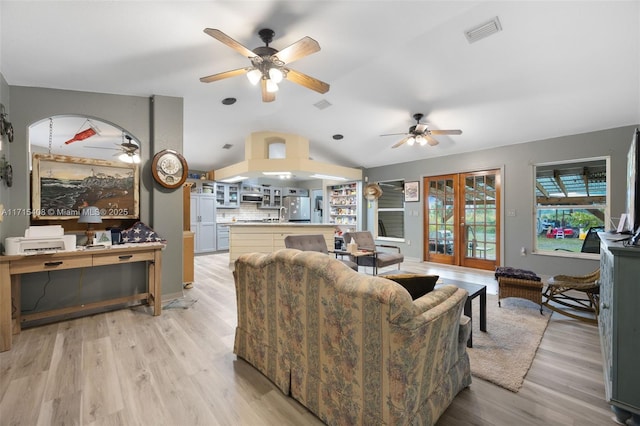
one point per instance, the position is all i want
(90, 215)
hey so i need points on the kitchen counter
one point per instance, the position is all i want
(303, 224)
(266, 237)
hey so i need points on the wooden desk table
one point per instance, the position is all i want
(11, 267)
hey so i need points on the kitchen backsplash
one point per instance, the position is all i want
(247, 211)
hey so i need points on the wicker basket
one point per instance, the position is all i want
(523, 289)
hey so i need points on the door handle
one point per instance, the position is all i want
(58, 263)
(125, 257)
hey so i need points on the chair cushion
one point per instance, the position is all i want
(416, 284)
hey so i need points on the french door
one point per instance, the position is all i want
(462, 219)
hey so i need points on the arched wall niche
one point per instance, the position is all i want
(82, 136)
(88, 138)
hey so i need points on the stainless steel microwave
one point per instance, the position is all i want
(251, 198)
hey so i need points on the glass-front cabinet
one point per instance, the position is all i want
(271, 197)
(344, 204)
(227, 195)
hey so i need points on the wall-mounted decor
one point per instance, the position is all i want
(6, 128)
(62, 185)
(411, 192)
(6, 172)
(169, 168)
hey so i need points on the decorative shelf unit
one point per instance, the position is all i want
(344, 204)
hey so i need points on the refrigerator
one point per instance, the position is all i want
(296, 209)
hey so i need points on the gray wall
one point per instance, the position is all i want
(4, 150)
(516, 162)
(155, 122)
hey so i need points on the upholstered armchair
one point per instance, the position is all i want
(386, 255)
(315, 242)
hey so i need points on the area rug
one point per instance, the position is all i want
(504, 353)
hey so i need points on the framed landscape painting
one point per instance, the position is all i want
(411, 191)
(63, 185)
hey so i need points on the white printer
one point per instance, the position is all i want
(39, 240)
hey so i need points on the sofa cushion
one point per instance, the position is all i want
(416, 284)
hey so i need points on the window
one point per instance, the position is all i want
(391, 211)
(571, 197)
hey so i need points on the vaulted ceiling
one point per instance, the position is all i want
(556, 68)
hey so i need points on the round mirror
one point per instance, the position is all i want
(84, 137)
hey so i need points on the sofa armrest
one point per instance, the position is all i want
(463, 334)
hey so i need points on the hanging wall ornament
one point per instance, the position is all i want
(372, 191)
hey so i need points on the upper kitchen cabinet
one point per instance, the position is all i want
(227, 195)
(271, 197)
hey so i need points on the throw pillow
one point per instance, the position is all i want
(417, 285)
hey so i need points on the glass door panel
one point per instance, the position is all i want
(440, 218)
(462, 219)
(481, 219)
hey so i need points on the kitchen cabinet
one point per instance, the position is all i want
(222, 236)
(300, 192)
(227, 195)
(201, 186)
(344, 204)
(619, 327)
(271, 197)
(203, 222)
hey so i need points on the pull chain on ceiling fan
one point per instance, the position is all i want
(268, 65)
(421, 134)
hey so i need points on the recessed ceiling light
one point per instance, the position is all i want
(228, 101)
(337, 136)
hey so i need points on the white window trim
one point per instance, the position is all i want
(607, 214)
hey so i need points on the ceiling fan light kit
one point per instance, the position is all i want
(268, 64)
(421, 134)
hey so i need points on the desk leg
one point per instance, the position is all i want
(468, 313)
(155, 282)
(483, 310)
(6, 334)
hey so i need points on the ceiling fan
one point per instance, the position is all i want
(128, 151)
(268, 65)
(420, 133)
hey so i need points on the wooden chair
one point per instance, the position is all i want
(566, 290)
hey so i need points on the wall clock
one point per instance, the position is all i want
(169, 168)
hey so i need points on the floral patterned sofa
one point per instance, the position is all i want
(353, 348)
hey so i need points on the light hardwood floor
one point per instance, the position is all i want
(127, 367)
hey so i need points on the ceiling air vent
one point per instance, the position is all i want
(483, 30)
(322, 104)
